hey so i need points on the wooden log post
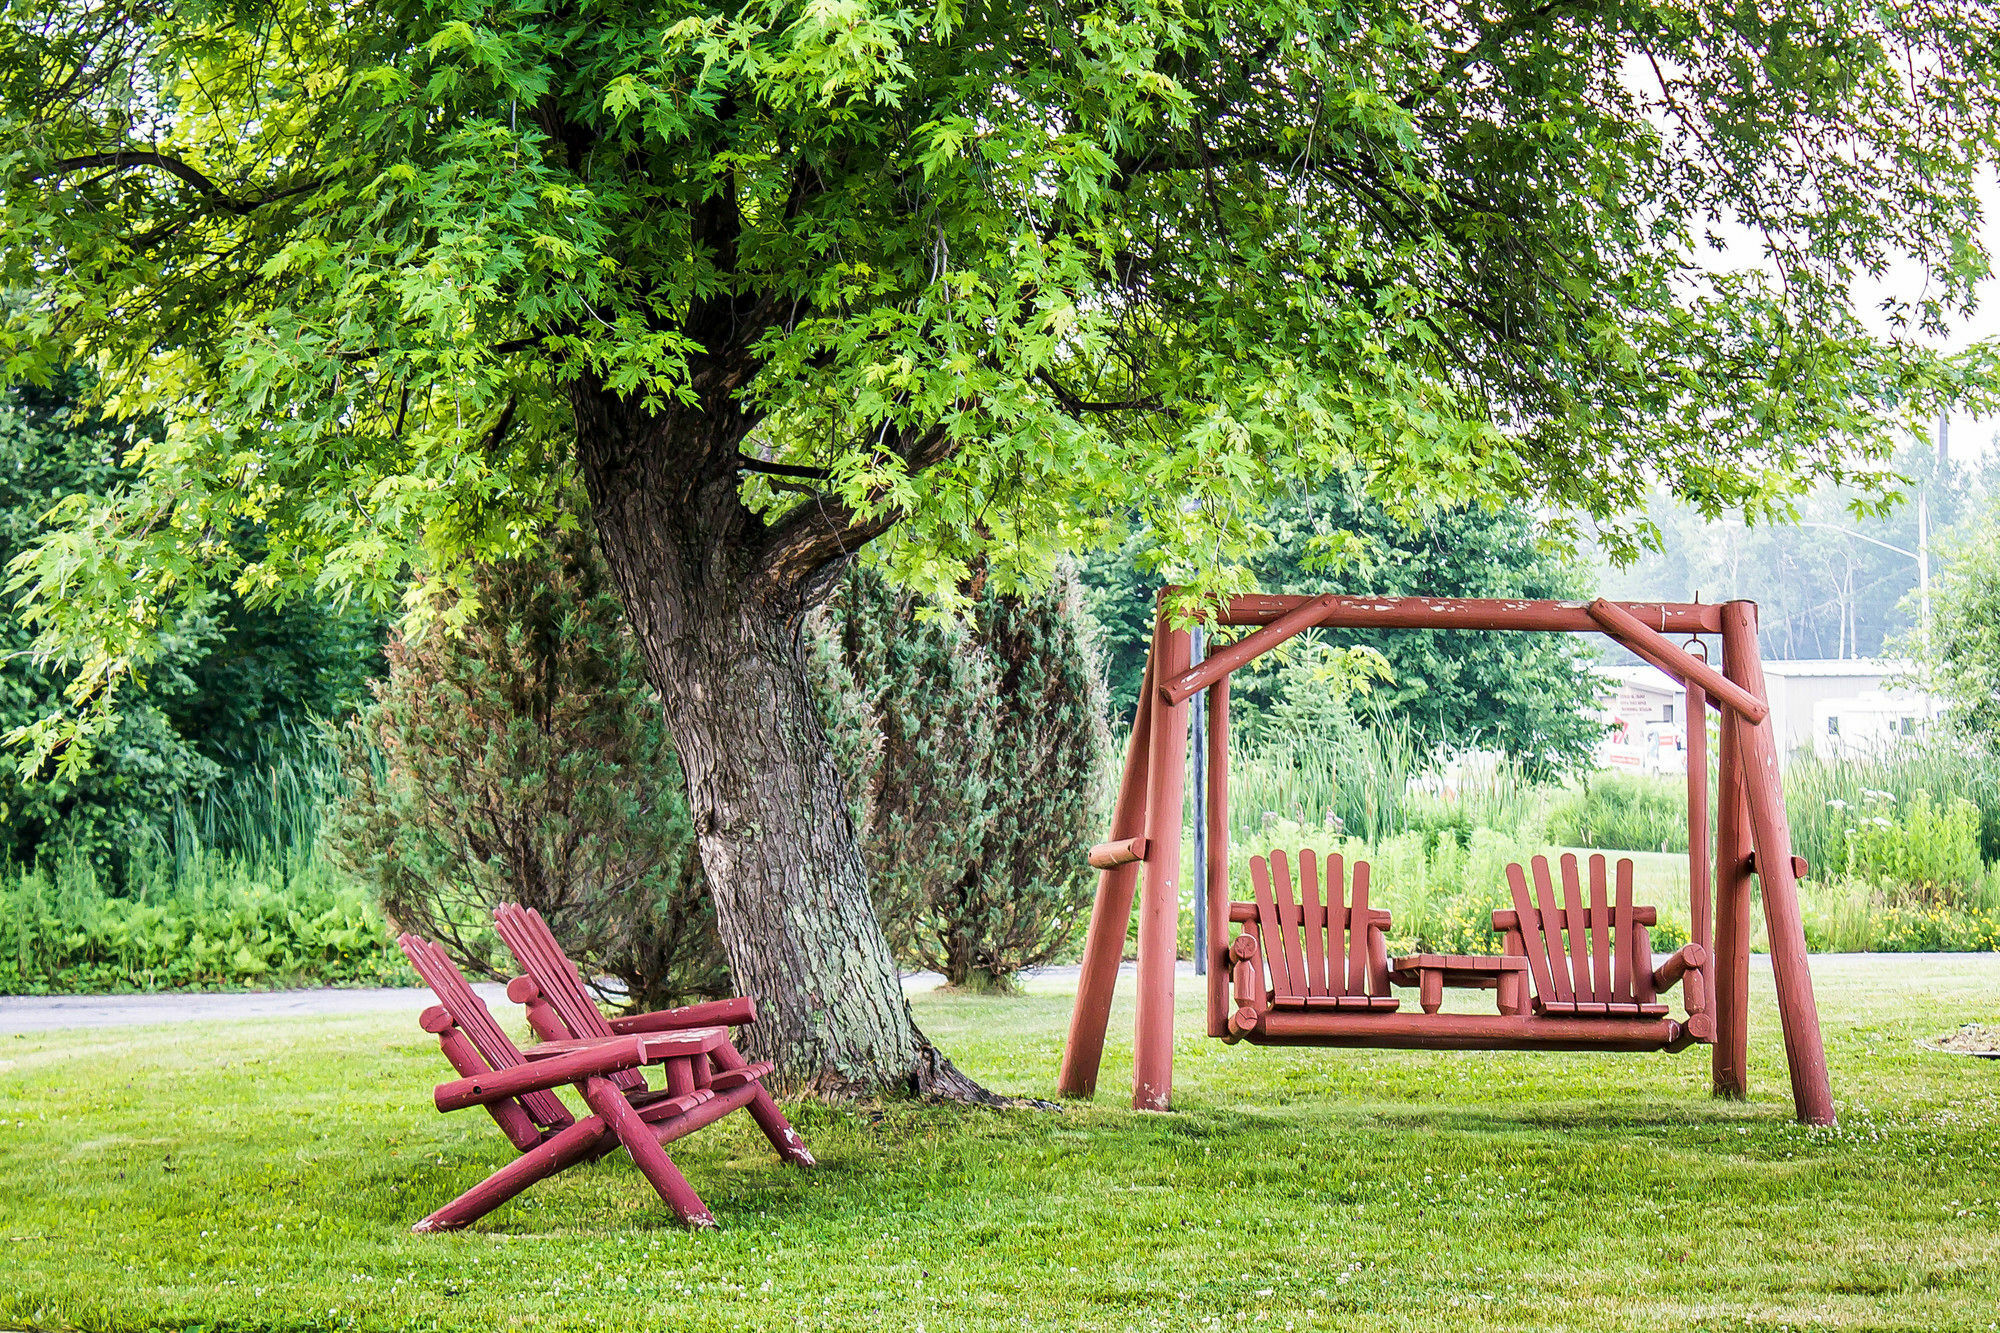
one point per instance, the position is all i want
(1701, 902)
(1217, 814)
(1770, 835)
(1160, 900)
(1110, 912)
(1729, 995)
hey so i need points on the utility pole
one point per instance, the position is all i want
(1924, 561)
(1943, 466)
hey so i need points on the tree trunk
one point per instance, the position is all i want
(720, 632)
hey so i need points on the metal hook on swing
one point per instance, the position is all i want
(1694, 646)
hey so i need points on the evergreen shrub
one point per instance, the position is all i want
(524, 759)
(984, 787)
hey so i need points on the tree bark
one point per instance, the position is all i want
(718, 617)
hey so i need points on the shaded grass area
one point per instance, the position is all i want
(263, 1176)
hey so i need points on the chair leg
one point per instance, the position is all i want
(604, 1098)
(559, 1151)
(764, 1110)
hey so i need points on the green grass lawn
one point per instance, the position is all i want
(264, 1176)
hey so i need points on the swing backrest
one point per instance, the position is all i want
(1594, 959)
(1319, 952)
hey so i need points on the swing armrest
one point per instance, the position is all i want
(1246, 972)
(1683, 960)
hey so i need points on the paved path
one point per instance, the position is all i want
(41, 1013)
(34, 1013)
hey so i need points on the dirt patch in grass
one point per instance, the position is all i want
(1972, 1039)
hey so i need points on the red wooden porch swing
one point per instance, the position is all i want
(1312, 969)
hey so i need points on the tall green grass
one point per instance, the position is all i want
(268, 812)
(1379, 781)
(1824, 797)
(1439, 849)
(1621, 811)
(235, 894)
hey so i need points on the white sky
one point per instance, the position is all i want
(1970, 436)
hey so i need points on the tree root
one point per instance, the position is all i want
(935, 1079)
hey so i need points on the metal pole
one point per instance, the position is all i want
(1196, 654)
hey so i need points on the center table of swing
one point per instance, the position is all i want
(1430, 973)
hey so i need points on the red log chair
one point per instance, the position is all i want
(560, 1008)
(1596, 961)
(1306, 955)
(517, 1088)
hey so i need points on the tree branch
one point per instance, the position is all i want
(174, 167)
(750, 463)
(819, 536)
(1076, 406)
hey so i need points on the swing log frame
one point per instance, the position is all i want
(1753, 838)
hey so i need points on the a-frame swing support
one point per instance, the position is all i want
(1753, 836)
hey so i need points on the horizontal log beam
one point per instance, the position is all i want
(1463, 1032)
(657, 1045)
(1123, 852)
(1246, 912)
(733, 1012)
(1507, 918)
(1677, 662)
(1474, 613)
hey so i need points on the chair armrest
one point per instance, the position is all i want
(571, 1066)
(572, 1062)
(659, 1045)
(1682, 961)
(711, 1013)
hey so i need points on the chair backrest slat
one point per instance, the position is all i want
(1549, 926)
(1640, 946)
(1533, 938)
(471, 1016)
(1357, 939)
(1316, 938)
(1267, 928)
(1621, 980)
(1290, 925)
(1600, 933)
(1338, 919)
(1577, 928)
(534, 947)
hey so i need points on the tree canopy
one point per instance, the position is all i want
(1841, 581)
(961, 277)
(1959, 657)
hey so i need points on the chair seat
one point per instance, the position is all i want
(1591, 1009)
(1364, 1003)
